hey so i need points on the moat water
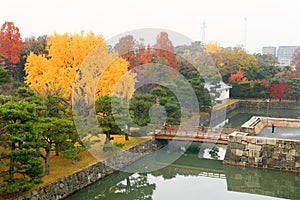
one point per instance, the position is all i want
(194, 177)
(199, 175)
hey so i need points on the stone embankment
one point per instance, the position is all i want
(74, 182)
(270, 153)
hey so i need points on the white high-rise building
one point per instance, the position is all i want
(285, 55)
(269, 50)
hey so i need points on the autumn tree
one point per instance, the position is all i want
(126, 47)
(11, 43)
(238, 77)
(296, 62)
(164, 50)
(56, 73)
(212, 47)
(280, 91)
(229, 60)
(135, 53)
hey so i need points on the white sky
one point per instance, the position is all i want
(269, 22)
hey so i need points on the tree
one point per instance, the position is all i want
(294, 85)
(229, 60)
(238, 77)
(54, 125)
(11, 43)
(36, 45)
(296, 62)
(267, 65)
(280, 91)
(56, 73)
(57, 130)
(24, 168)
(213, 47)
(107, 114)
(4, 75)
(125, 48)
(164, 49)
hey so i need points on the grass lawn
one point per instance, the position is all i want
(61, 167)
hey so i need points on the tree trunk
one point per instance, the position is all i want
(47, 162)
(107, 138)
(106, 148)
(127, 133)
(12, 160)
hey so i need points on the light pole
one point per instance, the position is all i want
(268, 101)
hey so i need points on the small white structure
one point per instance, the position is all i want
(221, 88)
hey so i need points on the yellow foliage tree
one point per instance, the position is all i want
(213, 47)
(56, 73)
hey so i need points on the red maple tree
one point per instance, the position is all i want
(238, 77)
(164, 49)
(279, 91)
(11, 43)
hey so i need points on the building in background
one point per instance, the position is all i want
(285, 55)
(269, 50)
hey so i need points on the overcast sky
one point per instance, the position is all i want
(269, 22)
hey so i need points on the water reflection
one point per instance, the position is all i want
(263, 182)
(193, 178)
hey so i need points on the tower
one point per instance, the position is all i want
(245, 34)
(203, 31)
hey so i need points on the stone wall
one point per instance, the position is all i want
(74, 182)
(272, 104)
(270, 153)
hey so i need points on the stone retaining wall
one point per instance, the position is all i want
(272, 104)
(74, 182)
(271, 153)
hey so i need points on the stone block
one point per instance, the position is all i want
(261, 141)
(238, 139)
(292, 152)
(254, 147)
(231, 138)
(245, 153)
(252, 140)
(238, 152)
(271, 141)
(289, 157)
(258, 160)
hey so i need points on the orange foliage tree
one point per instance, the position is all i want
(238, 77)
(164, 50)
(56, 73)
(11, 43)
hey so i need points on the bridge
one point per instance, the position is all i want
(194, 134)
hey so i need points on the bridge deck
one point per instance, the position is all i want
(217, 136)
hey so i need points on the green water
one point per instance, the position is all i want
(240, 116)
(191, 178)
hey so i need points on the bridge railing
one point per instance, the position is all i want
(196, 131)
